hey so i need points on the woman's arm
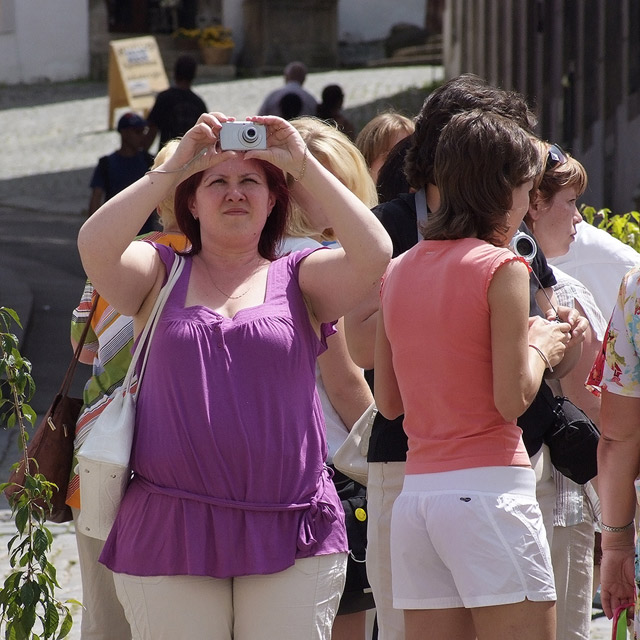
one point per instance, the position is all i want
(360, 329)
(618, 467)
(123, 272)
(518, 368)
(385, 384)
(343, 381)
(333, 282)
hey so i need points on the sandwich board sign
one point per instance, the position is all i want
(136, 75)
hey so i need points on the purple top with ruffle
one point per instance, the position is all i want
(229, 448)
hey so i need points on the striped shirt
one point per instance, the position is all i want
(110, 339)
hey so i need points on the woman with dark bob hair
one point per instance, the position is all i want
(231, 526)
(457, 353)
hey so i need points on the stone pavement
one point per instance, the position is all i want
(53, 135)
(63, 556)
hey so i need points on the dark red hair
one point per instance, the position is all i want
(273, 230)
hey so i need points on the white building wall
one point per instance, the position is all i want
(46, 40)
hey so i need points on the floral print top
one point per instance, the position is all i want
(617, 367)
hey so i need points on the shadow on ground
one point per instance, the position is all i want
(61, 192)
(35, 95)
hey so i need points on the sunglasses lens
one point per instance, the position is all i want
(555, 157)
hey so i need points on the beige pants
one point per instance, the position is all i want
(299, 603)
(572, 558)
(383, 487)
(103, 617)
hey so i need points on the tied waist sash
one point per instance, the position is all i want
(315, 524)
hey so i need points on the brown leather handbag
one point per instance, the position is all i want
(52, 444)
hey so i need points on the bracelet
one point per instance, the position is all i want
(606, 527)
(184, 166)
(543, 356)
(304, 165)
(163, 171)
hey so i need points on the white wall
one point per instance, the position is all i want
(367, 20)
(50, 41)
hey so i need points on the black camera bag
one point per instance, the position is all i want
(573, 442)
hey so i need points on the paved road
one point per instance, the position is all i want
(52, 137)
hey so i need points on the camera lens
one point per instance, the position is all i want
(524, 246)
(249, 134)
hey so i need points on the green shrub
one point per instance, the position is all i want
(625, 227)
(29, 609)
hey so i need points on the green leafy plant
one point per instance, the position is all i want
(29, 609)
(625, 227)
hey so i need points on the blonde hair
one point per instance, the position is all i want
(376, 137)
(166, 208)
(340, 156)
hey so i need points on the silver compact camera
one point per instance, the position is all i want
(524, 246)
(242, 136)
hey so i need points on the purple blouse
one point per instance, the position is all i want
(229, 448)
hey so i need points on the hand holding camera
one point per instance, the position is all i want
(242, 136)
(284, 147)
(550, 337)
(266, 138)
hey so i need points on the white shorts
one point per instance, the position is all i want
(452, 546)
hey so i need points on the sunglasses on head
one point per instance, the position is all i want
(555, 157)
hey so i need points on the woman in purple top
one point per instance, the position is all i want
(230, 527)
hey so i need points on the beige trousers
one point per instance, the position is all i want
(383, 487)
(572, 558)
(299, 603)
(103, 616)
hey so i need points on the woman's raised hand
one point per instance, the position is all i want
(285, 147)
(199, 148)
